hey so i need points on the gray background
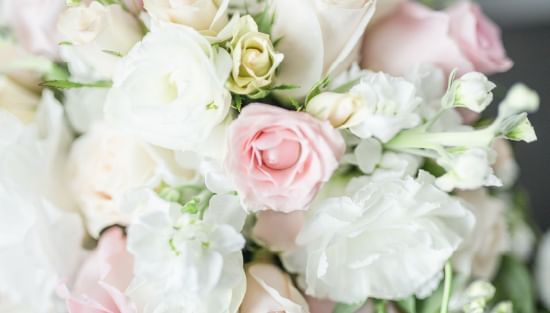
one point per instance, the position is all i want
(526, 34)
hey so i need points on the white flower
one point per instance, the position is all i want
(470, 169)
(543, 271)
(519, 99)
(169, 89)
(325, 41)
(473, 91)
(98, 35)
(387, 240)
(84, 107)
(206, 16)
(479, 255)
(105, 164)
(391, 105)
(506, 167)
(18, 100)
(188, 260)
(341, 110)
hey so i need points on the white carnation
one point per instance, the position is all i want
(391, 104)
(387, 240)
(169, 89)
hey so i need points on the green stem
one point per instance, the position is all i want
(381, 306)
(447, 288)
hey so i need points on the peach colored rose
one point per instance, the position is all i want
(278, 230)
(460, 37)
(278, 159)
(103, 278)
(268, 289)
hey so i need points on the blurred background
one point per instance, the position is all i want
(526, 34)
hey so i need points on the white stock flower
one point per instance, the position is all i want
(542, 271)
(324, 42)
(479, 255)
(169, 89)
(387, 240)
(390, 103)
(106, 163)
(472, 91)
(469, 169)
(192, 263)
(98, 35)
(206, 16)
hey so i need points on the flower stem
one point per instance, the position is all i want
(447, 288)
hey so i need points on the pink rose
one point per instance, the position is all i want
(103, 278)
(277, 230)
(278, 159)
(34, 23)
(460, 37)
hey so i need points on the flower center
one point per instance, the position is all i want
(283, 156)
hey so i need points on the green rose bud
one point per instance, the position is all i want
(254, 59)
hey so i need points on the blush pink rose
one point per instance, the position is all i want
(278, 159)
(278, 231)
(460, 37)
(34, 23)
(103, 278)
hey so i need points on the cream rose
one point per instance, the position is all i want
(479, 255)
(98, 35)
(268, 289)
(17, 100)
(206, 16)
(254, 59)
(169, 89)
(319, 37)
(105, 164)
(341, 110)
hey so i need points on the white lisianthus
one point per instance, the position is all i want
(206, 16)
(472, 91)
(98, 35)
(469, 169)
(169, 89)
(341, 110)
(387, 240)
(106, 163)
(333, 30)
(18, 100)
(390, 103)
(543, 271)
(193, 262)
(479, 255)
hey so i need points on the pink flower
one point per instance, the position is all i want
(460, 37)
(103, 278)
(278, 159)
(277, 230)
(34, 23)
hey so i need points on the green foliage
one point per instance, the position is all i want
(265, 20)
(433, 303)
(407, 305)
(319, 87)
(67, 84)
(513, 282)
(348, 308)
(114, 53)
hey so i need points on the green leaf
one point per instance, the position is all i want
(319, 87)
(348, 308)
(295, 104)
(265, 20)
(108, 2)
(284, 87)
(115, 53)
(237, 102)
(66, 84)
(407, 305)
(514, 283)
(65, 43)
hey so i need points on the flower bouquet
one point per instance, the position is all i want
(222, 156)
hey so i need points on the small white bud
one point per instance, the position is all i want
(481, 290)
(503, 307)
(519, 99)
(472, 91)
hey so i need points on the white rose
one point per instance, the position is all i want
(206, 16)
(271, 290)
(469, 169)
(341, 110)
(192, 262)
(99, 34)
(333, 30)
(18, 100)
(105, 163)
(391, 105)
(543, 271)
(387, 240)
(479, 255)
(169, 89)
(472, 91)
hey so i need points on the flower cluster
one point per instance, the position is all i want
(223, 156)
